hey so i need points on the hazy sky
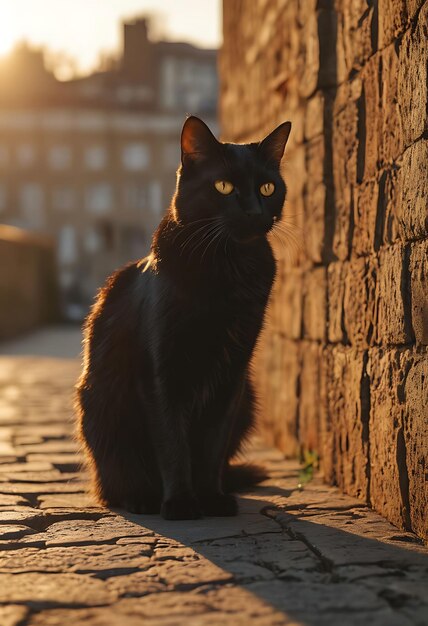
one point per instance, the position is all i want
(84, 28)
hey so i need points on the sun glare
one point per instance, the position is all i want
(78, 31)
(9, 29)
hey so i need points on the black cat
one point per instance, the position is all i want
(165, 401)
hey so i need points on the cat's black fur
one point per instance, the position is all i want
(165, 401)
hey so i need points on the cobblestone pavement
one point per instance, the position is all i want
(306, 556)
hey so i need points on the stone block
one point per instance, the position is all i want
(277, 373)
(359, 301)
(336, 274)
(389, 487)
(357, 34)
(309, 406)
(392, 20)
(390, 204)
(344, 165)
(391, 141)
(285, 433)
(290, 304)
(393, 297)
(346, 428)
(412, 183)
(419, 290)
(412, 79)
(314, 116)
(326, 434)
(416, 442)
(315, 223)
(370, 120)
(314, 303)
(365, 218)
(309, 59)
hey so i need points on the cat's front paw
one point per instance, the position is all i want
(219, 504)
(184, 507)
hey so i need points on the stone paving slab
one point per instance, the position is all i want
(303, 556)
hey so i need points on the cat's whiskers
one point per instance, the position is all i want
(211, 236)
(197, 232)
(183, 228)
(215, 234)
(204, 238)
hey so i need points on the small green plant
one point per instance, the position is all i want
(309, 462)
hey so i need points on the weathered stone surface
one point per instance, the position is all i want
(391, 142)
(28, 488)
(314, 116)
(103, 560)
(50, 476)
(75, 532)
(37, 589)
(21, 514)
(310, 397)
(37, 466)
(279, 417)
(392, 288)
(359, 301)
(365, 217)
(415, 425)
(418, 270)
(11, 501)
(336, 274)
(15, 531)
(356, 20)
(314, 304)
(12, 615)
(412, 201)
(371, 112)
(344, 163)
(412, 79)
(387, 442)
(288, 305)
(392, 20)
(67, 500)
(56, 459)
(347, 399)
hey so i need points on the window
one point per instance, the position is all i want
(99, 198)
(67, 247)
(135, 196)
(64, 198)
(92, 240)
(31, 204)
(135, 156)
(95, 157)
(60, 157)
(26, 154)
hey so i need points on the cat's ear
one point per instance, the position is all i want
(272, 147)
(197, 140)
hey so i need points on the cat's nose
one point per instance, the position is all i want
(253, 207)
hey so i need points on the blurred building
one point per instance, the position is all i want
(92, 161)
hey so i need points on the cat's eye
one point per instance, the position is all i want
(267, 189)
(224, 187)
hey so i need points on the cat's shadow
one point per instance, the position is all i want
(259, 554)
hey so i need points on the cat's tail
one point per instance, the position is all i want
(242, 477)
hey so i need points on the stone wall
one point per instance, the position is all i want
(28, 294)
(343, 364)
